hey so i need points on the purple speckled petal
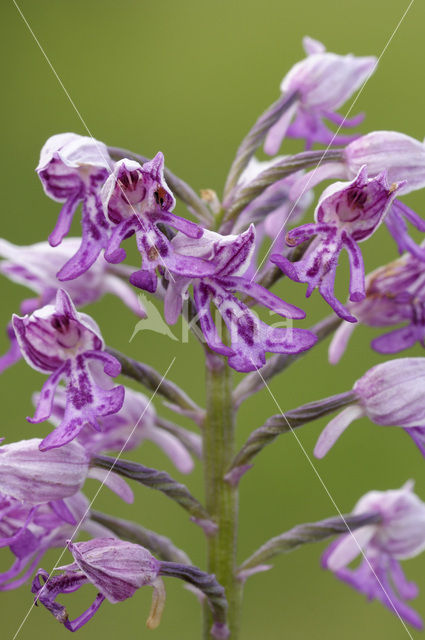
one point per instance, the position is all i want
(77, 623)
(44, 405)
(190, 229)
(250, 338)
(203, 295)
(326, 289)
(265, 297)
(66, 215)
(357, 279)
(62, 510)
(397, 226)
(125, 229)
(95, 232)
(14, 354)
(146, 280)
(398, 340)
(85, 402)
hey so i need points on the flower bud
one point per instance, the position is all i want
(36, 477)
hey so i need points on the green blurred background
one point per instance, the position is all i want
(190, 78)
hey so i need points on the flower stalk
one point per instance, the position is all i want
(221, 498)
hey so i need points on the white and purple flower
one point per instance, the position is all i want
(317, 87)
(35, 477)
(403, 159)
(400, 534)
(250, 338)
(389, 394)
(137, 200)
(395, 294)
(35, 267)
(67, 345)
(134, 423)
(116, 568)
(30, 530)
(347, 213)
(72, 170)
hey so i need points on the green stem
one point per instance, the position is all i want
(221, 497)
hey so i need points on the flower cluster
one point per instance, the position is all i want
(215, 273)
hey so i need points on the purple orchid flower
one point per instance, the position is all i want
(347, 213)
(399, 535)
(317, 87)
(134, 423)
(59, 341)
(402, 157)
(250, 338)
(29, 531)
(395, 294)
(37, 477)
(35, 266)
(389, 394)
(116, 568)
(72, 169)
(137, 200)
